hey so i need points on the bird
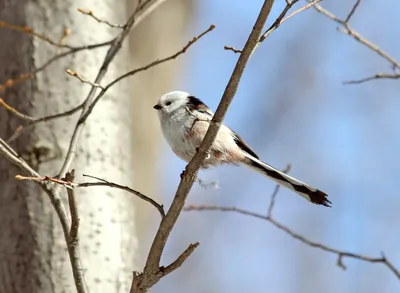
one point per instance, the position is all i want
(184, 121)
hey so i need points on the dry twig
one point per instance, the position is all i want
(348, 30)
(144, 68)
(103, 182)
(98, 19)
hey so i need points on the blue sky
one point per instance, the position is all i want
(292, 107)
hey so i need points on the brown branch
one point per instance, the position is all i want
(137, 282)
(83, 80)
(15, 112)
(158, 206)
(346, 29)
(150, 275)
(376, 76)
(98, 19)
(73, 241)
(29, 31)
(281, 18)
(233, 49)
(180, 260)
(144, 68)
(25, 76)
(21, 129)
(340, 253)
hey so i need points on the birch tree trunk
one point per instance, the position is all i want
(32, 248)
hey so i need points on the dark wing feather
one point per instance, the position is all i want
(243, 146)
(195, 104)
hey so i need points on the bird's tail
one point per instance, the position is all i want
(309, 193)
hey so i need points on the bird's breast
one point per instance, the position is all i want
(176, 132)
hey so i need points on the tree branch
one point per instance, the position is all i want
(73, 241)
(158, 206)
(149, 277)
(347, 29)
(144, 68)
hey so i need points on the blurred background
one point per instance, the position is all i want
(292, 107)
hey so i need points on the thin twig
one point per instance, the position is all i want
(81, 79)
(15, 112)
(352, 11)
(22, 129)
(29, 31)
(144, 68)
(340, 254)
(140, 12)
(25, 76)
(376, 76)
(275, 193)
(281, 18)
(346, 29)
(98, 19)
(180, 260)
(158, 206)
(233, 49)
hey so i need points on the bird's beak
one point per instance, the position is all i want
(157, 107)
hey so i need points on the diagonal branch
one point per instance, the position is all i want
(189, 175)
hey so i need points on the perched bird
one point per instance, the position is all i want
(184, 122)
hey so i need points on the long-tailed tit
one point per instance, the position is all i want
(184, 122)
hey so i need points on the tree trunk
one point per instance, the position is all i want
(32, 249)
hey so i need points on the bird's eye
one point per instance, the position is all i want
(167, 103)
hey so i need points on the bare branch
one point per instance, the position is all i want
(158, 206)
(376, 76)
(81, 79)
(152, 271)
(22, 129)
(73, 241)
(352, 11)
(15, 112)
(180, 260)
(346, 29)
(189, 175)
(144, 68)
(98, 19)
(233, 49)
(340, 254)
(275, 193)
(29, 31)
(25, 76)
(281, 18)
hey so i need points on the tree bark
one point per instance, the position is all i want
(32, 249)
